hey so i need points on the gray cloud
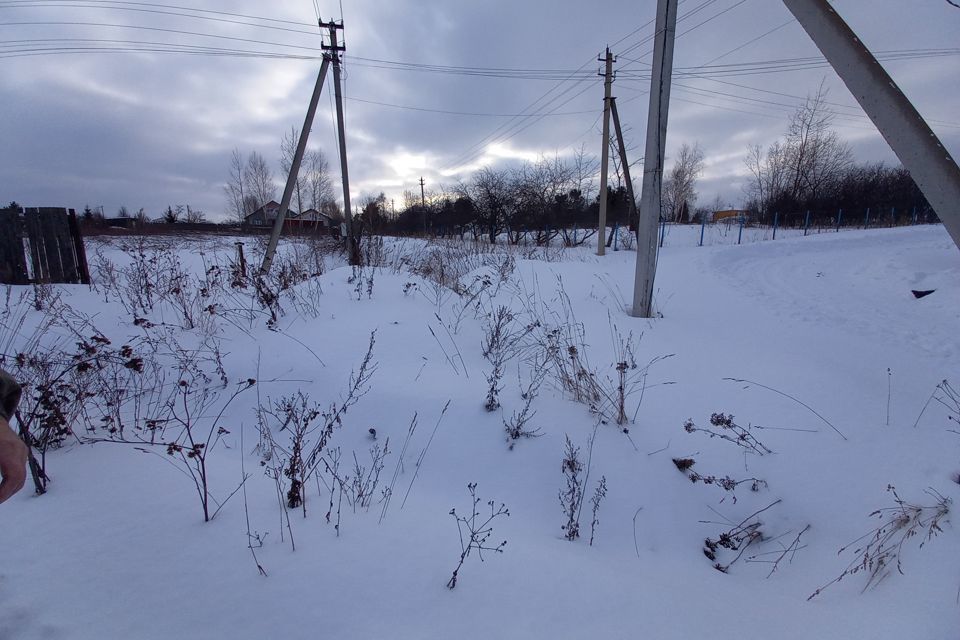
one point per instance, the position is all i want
(151, 129)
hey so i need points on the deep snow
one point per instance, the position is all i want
(118, 547)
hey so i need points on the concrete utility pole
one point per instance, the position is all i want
(423, 205)
(621, 145)
(294, 169)
(605, 153)
(660, 77)
(334, 50)
(915, 144)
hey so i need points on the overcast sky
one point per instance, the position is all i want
(148, 128)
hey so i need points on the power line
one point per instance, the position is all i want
(159, 29)
(108, 3)
(837, 105)
(514, 126)
(469, 113)
(179, 14)
(507, 135)
(751, 41)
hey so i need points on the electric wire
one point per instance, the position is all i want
(109, 4)
(183, 15)
(510, 134)
(518, 122)
(158, 29)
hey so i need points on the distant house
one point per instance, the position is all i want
(125, 222)
(730, 215)
(266, 215)
(312, 215)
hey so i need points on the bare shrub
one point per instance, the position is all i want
(729, 431)
(296, 416)
(307, 448)
(363, 279)
(503, 340)
(598, 495)
(786, 552)
(736, 539)
(947, 397)
(517, 426)
(194, 414)
(728, 484)
(615, 392)
(571, 495)
(883, 547)
(475, 532)
(561, 340)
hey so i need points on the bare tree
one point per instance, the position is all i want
(817, 155)
(195, 216)
(804, 166)
(679, 190)
(770, 174)
(490, 190)
(535, 189)
(585, 169)
(288, 149)
(259, 180)
(316, 171)
(234, 189)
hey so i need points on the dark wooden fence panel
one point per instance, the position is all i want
(38, 256)
(13, 265)
(56, 247)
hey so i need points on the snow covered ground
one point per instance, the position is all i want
(118, 546)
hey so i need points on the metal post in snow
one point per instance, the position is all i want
(839, 218)
(740, 233)
(806, 224)
(663, 230)
(914, 215)
(776, 219)
(893, 216)
(866, 219)
(703, 224)
(616, 229)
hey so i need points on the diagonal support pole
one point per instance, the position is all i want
(294, 169)
(901, 125)
(622, 147)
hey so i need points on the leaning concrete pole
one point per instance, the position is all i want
(660, 77)
(628, 183)
(901, 125)
(294, 169)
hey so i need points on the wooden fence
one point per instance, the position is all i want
(51, 237)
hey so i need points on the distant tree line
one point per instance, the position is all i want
(173, 214)
(812, 169)
(535, 202)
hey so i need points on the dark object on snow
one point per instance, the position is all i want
(372, 432)
(920, 294)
